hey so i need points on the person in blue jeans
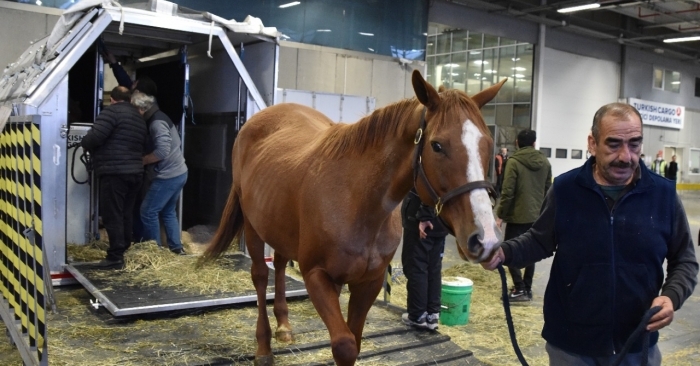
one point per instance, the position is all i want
(170, 174)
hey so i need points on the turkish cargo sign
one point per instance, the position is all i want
(659, 114)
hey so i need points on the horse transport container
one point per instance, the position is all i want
(212, 75)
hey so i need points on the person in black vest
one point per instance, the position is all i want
(672, 169)
(423, 247)
(610, 224)
(116, 143)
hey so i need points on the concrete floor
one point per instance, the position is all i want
(683, 333)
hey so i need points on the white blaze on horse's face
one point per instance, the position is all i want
(479, 198)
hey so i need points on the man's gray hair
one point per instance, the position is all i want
(142, 101)
(617, 110)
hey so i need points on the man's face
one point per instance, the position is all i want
(504, 151)
(617, 149)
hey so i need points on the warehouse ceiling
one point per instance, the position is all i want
(643, 24)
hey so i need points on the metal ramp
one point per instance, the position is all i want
(122, 298)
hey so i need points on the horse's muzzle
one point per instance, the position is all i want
(480, 246)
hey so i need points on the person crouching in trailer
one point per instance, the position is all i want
(116, 142)
(170, 174)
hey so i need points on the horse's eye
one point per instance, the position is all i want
(436, 146)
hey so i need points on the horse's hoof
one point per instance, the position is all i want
(267, 360)
(284, 336)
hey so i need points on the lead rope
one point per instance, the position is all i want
(639, 331)
(509, 317)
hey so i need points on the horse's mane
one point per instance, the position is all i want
(385, 123)
(368, 131)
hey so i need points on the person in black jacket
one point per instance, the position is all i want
(116, 143)
(610, 225)
(423, 247)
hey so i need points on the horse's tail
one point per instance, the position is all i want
(229, 228)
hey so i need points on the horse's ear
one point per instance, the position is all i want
(487, 94)
(425, 92)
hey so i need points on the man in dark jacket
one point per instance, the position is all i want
(611, 223)
(116, 142)
(528, 176)
(672, 169)
(421, 255)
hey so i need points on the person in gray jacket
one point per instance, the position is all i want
(170, 174)
(527, 178)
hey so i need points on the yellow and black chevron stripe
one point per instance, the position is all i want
(21, 260)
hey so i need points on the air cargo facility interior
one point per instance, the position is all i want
(216, 64)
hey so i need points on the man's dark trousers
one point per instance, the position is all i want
(422, 264)
(520, 283)
(117, 198)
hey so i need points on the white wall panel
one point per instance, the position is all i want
(288, 68)
(359, 76)
(18, 28)
(316, 71)
(388, 84)
(573, 88)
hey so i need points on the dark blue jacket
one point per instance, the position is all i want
(608, 264)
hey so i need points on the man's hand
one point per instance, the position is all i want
(497, 259)
(664, 317)
(499, 222)
(421, 228)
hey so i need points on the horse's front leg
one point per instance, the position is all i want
(284, 329)
(324, 295)
(259, 272)
(362, 296)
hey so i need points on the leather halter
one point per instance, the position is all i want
(418, 171)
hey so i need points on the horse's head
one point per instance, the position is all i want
(454, 156)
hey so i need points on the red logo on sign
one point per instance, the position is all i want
(678, 111)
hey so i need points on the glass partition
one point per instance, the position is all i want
(472, 61)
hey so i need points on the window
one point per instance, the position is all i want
(576, 154)
(472, 61)
(547, 151)
(667, 80)
(694, 161)
(561, 153)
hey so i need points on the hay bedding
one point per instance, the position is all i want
(80, 335)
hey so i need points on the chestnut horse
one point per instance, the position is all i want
(325, 195)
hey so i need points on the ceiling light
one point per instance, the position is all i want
(682, 39)
(454, 74)
(675, 82)
(572, 9)
(477, 74)
(425, 34)
(474, 52)
(366, 34)
(371, 49)
(479, 62)
(451, 65)
(518, 68)
(323, 30)
(489, 71)
(515, 58)
(519, 75)
(290, 4)
(38, 2)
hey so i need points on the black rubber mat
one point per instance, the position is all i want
(121, 297)
(390, 345)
